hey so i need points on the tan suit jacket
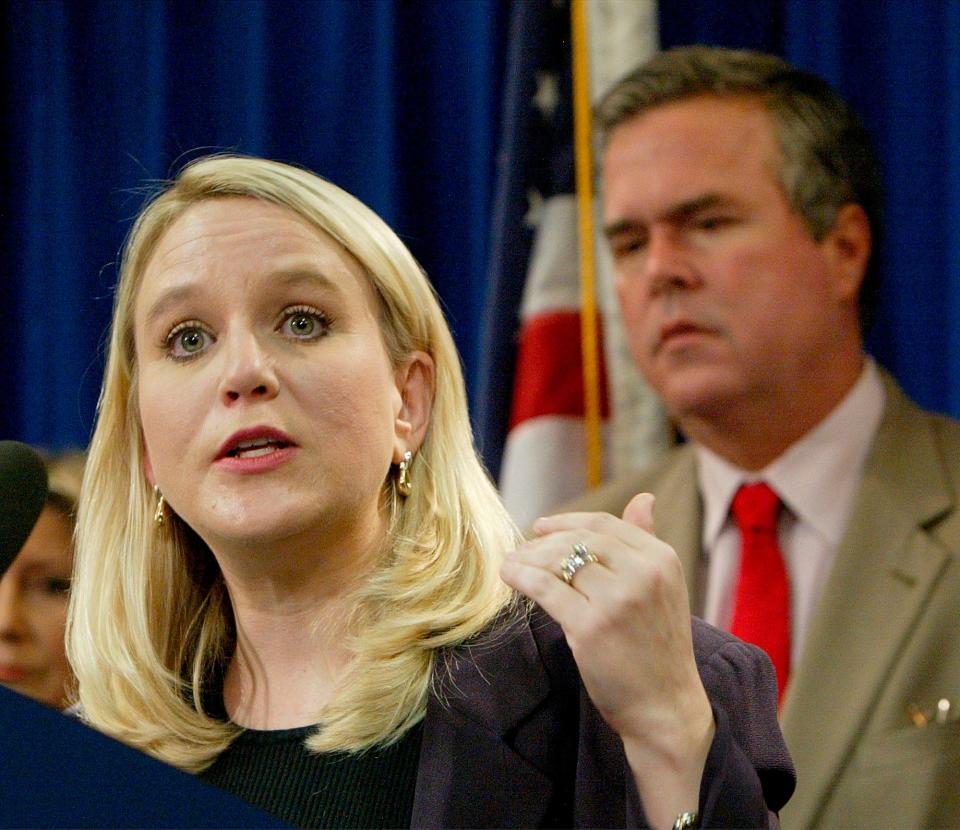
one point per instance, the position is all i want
(885, 636)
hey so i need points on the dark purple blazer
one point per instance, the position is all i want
(512, 740)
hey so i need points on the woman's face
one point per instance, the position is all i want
(33, 612)
(270, 410)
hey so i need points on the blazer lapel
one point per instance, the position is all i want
(468, 774)
(888, 564)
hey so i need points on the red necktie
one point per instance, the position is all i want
(761, 611)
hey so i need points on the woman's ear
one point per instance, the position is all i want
(148, 467)
(415, 381)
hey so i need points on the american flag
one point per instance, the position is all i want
(530, 402)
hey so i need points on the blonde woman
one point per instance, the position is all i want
(295, 579)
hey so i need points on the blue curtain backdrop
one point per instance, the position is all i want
(409, 105)
(398, 102)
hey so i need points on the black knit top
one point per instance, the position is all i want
(274, 771)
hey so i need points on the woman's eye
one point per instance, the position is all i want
(48, 586)
(58, 585)
(191, 341)
(304, 324)
(187, 341)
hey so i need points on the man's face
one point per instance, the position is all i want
(726, 297)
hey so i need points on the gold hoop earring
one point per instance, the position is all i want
(404, 484)
(158, 515)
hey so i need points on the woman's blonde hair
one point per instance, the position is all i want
(150, 626)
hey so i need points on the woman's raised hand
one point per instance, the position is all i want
(618, 593)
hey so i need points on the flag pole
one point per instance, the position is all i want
(583, 154)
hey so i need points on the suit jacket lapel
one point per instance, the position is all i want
(887, 563)
(678, 515)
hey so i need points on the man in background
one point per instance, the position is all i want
(813, 505)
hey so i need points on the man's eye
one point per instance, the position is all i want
(624, 246)
(709, 223)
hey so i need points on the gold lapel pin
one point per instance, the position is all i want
(941, 713)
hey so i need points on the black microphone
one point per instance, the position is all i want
(23, 492)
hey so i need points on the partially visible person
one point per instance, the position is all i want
(814, 507)
(34, 593)
(295, 579)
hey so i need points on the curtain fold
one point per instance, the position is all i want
(397, 102)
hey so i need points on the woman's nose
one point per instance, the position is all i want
(13, 620)
(249, 373)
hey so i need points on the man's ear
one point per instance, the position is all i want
(415, 381)
(848, 245)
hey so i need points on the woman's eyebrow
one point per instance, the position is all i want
(295, 277)
(283, 278)
(169, 299)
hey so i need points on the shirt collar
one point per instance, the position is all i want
(817, 477)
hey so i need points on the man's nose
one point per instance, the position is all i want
(249, 373)
(668, 265)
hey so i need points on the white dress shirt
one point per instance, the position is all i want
(817, 480)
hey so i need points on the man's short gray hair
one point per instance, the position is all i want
(828, 157)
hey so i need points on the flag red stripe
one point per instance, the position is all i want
(549, 374)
